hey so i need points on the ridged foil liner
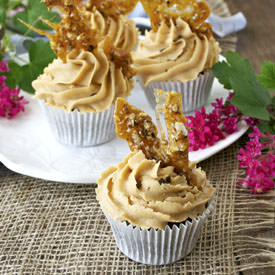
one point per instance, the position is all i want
(80, 129)
(195, 93)
(155, 246)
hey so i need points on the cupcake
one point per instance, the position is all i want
(155, 200)
(77, 91)
(177, 56)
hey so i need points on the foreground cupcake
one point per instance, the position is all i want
(178, 52)
(78, 89)
(155, 200)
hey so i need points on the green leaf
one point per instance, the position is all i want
(40, 55)
(3, 12)
(14, 75)
(267, 127)
(267, 75)
(32, 14)
(222, 71)
(250, 97)
(251, 105)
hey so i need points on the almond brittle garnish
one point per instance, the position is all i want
(194, 12)
(137, 128)
(113, 7)
(73, 32)
(178, 142)
(121, 58)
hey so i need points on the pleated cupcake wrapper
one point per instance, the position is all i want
(155, 246)
(194, 92)
(80, 129)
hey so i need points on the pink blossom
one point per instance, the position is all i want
(207, 129)
(10, 101)
(4, 67)
(258, 158)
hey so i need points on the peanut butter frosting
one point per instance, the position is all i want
(121, 30)
(88, 82)
(141, 192)
(174, 53)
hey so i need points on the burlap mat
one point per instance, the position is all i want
(49, 228)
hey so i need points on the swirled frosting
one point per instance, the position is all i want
(174, 53)
(139, 191)
(88, 81)
(121, 30)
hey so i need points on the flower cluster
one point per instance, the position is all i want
(10, 101)
(258, 158)
(207, 129)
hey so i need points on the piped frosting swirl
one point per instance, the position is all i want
(174, 53)
(88, 82)
(139, 191)
(121, 30)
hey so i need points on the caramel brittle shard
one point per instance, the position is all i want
(137, 128)
(194, 12)
(73, 32)
(113, 7)
(177, 147)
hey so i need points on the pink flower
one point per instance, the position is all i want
(258, 158)
(10, 101)
(4, 67)
(207, 129)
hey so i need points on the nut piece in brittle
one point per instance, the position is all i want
(170, 105)
(113, 7)
(73, 32)
(137, 128)
(194, 12)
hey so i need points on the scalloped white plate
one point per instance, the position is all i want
(27, 145)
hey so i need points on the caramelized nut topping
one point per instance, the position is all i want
(129, 122)
(137, 128)
(113, 7)
(74, 31)
(194, 12)
(138, 185)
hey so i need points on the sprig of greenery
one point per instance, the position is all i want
(21, 76)
(251, 94)
(40, 52)
(33, 11)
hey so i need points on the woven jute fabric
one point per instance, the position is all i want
(50, 228)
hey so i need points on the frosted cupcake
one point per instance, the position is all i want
(155, 200)
(77, 91)
(177, 56)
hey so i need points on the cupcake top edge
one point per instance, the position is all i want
(88, 82)
(155, 184)
(147, 195)
(94, 65)
(174, 53)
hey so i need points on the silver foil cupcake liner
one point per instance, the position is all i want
(80, 129)
(195, 93)
(155, 246)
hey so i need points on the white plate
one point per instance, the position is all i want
(27, 145)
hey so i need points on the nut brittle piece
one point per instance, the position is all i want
(177, 149)
(113, 7)
(194, 12)
(137, 128)
(73, 32)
